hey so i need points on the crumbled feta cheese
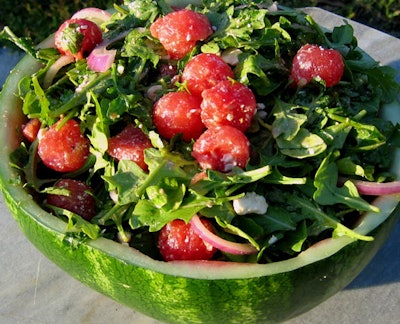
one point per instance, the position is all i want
(114, 196)
(273, 239)
(251, 203)
(120, 69)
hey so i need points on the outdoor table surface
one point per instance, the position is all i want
(33, 290)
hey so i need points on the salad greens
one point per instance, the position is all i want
(307, 143)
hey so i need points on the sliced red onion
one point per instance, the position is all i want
(96, 15)
(221, 244)
(55, 67)
(101, 59)
(377, 188)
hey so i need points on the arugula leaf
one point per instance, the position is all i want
(367, 136)
(238, 232)
(343, 35)
(127, 181)
(347, 166)
(382, 79)
(293, 139)
(137, 44)
(303, 145)
(295, 240)
(76, 224)
(235, 28)
(167, 195)
(146, 10)
(326, 221)
(251, 67)
(91, 82)
(277, 219)
(287, 123)
(229, 183)
(146, 213)
(328, 193)
(24, 44)
(336, 135)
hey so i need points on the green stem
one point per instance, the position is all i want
(77, 98)
(115, 210)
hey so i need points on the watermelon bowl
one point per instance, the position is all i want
(190, 291)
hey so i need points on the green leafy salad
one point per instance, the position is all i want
(312, 145)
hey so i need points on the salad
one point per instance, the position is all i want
(235, 130)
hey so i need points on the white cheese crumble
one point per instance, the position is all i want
(251, 203)
(273, 239)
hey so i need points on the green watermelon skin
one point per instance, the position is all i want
(171, 299)
(245, 294)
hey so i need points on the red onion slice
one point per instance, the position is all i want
(101, 59)
(96, 15)
(376, 188)
(218, 242)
